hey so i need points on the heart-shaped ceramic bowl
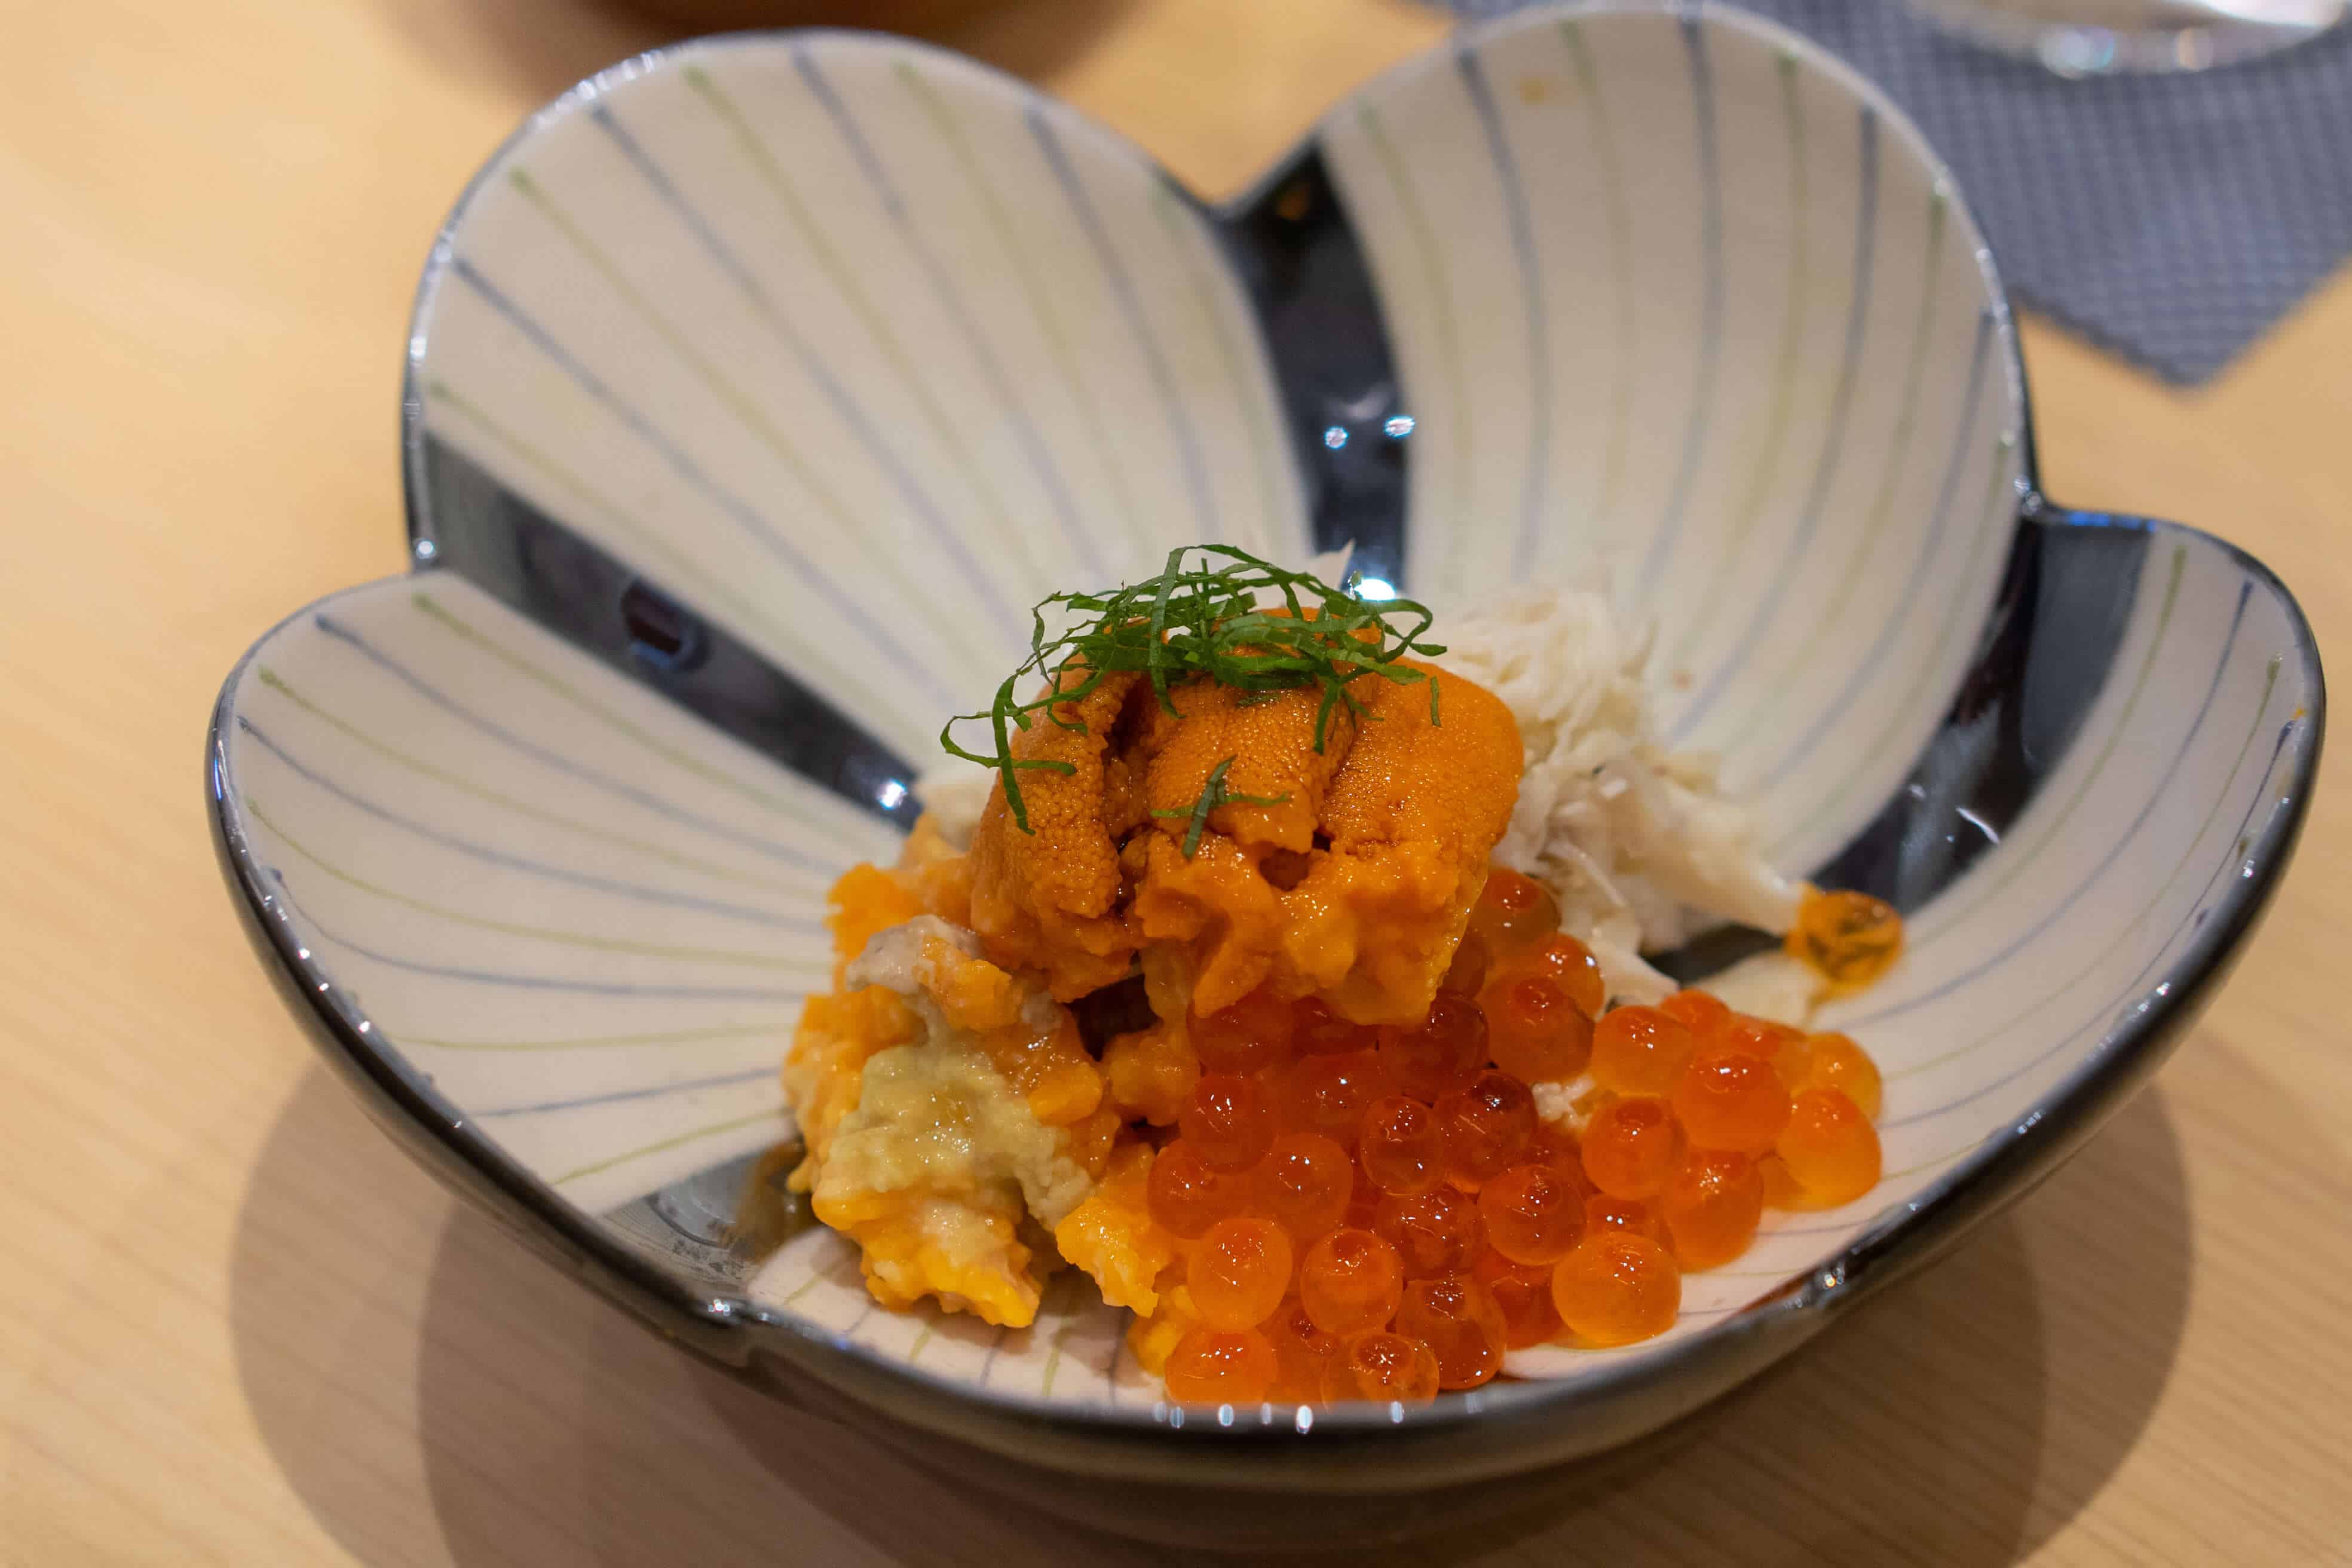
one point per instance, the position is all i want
(756, 388)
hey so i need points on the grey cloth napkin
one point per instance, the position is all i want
(2169, 219)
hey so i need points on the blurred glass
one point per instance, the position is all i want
(2101, 37)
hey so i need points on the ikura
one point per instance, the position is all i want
(1436, 1231)
(1830, 1147)
(1328, 1094)
(1704, 1016)
(1536, 1031)
(1400, 1146)
(1436, 1221)
(1458, 1320)
(1640, 1050)
(1631, 1147)
(1513, 913)
(1381, 1366)
(1711, 1207)
(1211, 1366)
(1302, 1353)
(1227, 1122)
(1467, 972)
(1533, 1214)
(1240, 1272)
(1252, 1033)
(1187, 1195)
(1777, 1044)
(1316, 1030)
(1351, 1282)
(1556, 1146)
(1522, 1293)
(1617, 1288)
(1848, 938)
(1729, 1099)
(1834, 1061)
(1630, 1215)
(1567, 964)
(1304, 1185)
(1487, 1126)
(1444, 1051)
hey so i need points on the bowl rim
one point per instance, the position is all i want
(729, 1328)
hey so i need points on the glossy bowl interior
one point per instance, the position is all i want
(758, 386)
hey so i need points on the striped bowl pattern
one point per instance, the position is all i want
(850, 350)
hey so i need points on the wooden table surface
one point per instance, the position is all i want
(236, 1326)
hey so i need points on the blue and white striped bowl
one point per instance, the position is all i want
(756, 388)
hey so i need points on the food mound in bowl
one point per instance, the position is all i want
(1260, 991)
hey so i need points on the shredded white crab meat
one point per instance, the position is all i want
(1640, 848)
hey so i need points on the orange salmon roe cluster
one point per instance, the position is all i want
(1379, 1214)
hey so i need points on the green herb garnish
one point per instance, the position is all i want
(1203, 621)
(1213, 794)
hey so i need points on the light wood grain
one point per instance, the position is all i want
(235, 1326)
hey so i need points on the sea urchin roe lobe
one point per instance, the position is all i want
(1411, 817)
(1113, 1237)
(929, 1175)
(1043, 900)
(1212, 1366)
(1153, 1339)
(1274, 699)
(1351, 1281)
(1382, 1367)
(1408, 815)
(1209, 622)
(1266, 744)
(1617, 1288)
(1149, 1074)
(927, 1154)
(1849, 939)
